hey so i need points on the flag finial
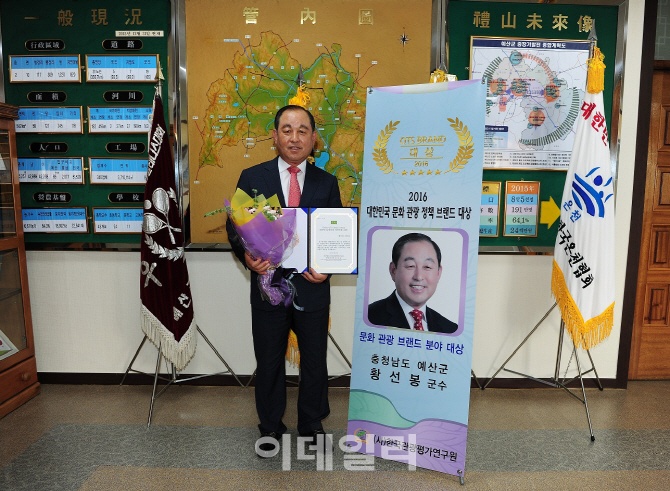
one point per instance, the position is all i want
(301, 97)
(300, 79)
(595, 80)
(159, 78)
(593, 37)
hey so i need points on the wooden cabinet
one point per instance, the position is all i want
(18, 371)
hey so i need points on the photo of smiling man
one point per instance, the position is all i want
(415, 269)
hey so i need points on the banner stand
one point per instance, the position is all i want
(329, 378)
(555, 382)
(174, 376)
(476, 379)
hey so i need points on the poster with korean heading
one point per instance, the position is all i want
(410, 389)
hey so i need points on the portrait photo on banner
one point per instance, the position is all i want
(441, 292)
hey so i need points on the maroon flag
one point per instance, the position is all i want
(165, 291)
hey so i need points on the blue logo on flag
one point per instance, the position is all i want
(591, 195)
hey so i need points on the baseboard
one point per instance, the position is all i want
(69, 378)
(524, 383)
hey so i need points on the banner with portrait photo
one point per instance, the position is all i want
(419, 238)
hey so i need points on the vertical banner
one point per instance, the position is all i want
(420, 214)
(583, 272)
(167, 317)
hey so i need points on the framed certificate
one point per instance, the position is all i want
(490, 209)
(522, 199)
(66, 170)
(44, 68)
(55, 220)
(65, 119)
(107, 170)
(121, 68)
(117, 220)
(334, 240)
(119, 119)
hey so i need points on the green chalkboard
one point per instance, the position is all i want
(530, 21)
(84, 28)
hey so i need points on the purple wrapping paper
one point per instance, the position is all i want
(269, 240)
(274, 241)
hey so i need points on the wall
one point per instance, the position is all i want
(86, 304)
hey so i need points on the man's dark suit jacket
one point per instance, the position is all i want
(387, 312)
(320, 190)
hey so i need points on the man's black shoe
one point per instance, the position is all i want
(268, 444)
(312, 438)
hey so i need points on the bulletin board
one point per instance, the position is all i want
(551, 26)
(82, 139)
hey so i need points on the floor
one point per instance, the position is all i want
(74, 437)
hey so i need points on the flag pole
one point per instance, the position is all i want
(159, 80)
(593, 38)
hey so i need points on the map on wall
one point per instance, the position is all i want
(244, 63)
(535, 92)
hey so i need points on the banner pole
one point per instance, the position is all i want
(153, 394)
(558, 350)
(586, 404)
(133, 360)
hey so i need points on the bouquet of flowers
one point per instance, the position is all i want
(266, 232)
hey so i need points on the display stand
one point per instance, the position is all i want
(555, 382)
(174, 375)
(343, 356)
(472, 372)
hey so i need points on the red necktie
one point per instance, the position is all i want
(294, 188)
(417, 315)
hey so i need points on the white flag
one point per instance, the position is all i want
(583, 273)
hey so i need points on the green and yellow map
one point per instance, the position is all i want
(240, 74)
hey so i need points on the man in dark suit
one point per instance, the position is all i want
(294, 136)
(416, 267)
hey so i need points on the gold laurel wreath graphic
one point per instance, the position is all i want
(466, 147)
(379, 154)
(464, 154)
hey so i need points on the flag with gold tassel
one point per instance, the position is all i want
(167, 317)
(301, 97)
(583, 271)
(439, 75)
